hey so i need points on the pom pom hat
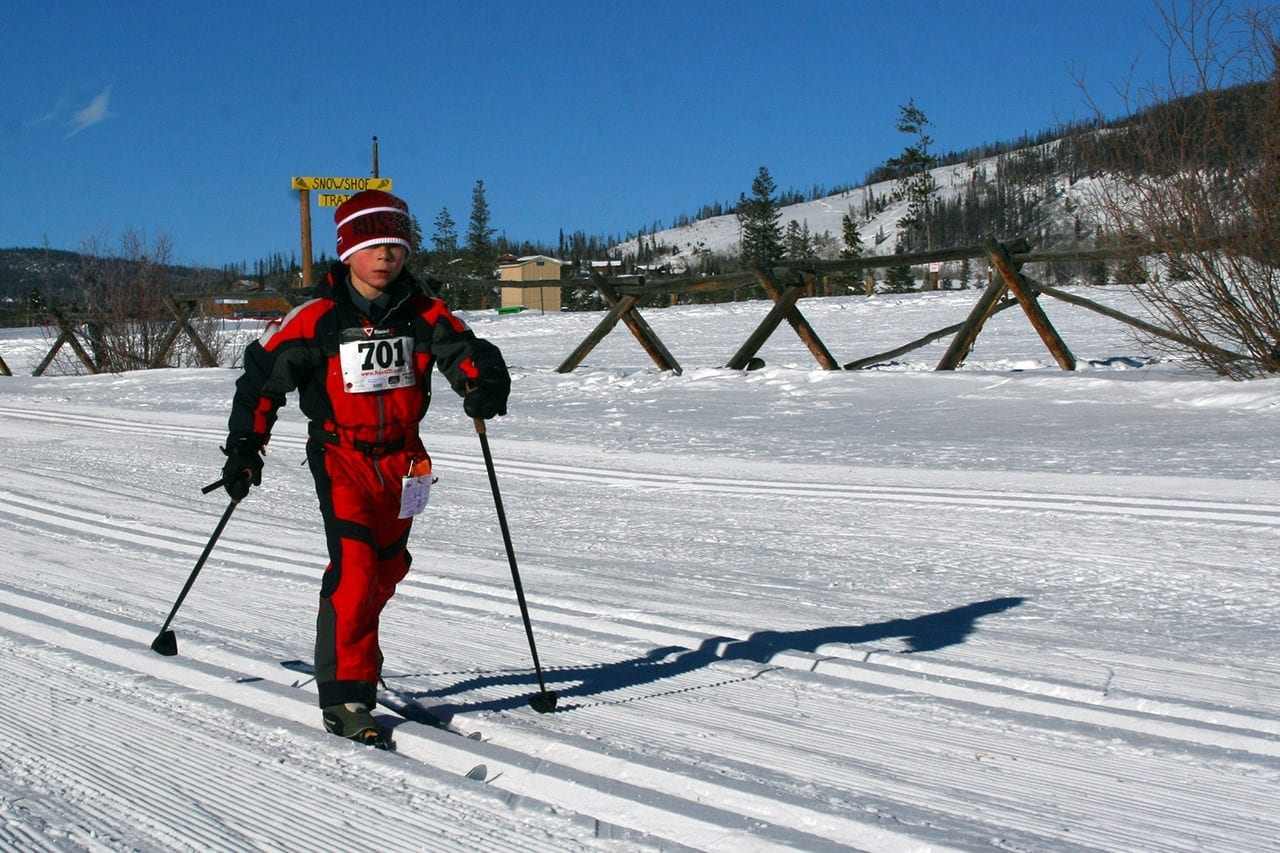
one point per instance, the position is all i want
(371, 218)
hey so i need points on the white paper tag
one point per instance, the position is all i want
(414, 492)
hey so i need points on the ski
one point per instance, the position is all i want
(411, 709)
(406, 707)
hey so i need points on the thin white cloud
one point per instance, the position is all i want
(51, 115)
(96, 112)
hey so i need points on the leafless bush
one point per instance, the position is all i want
(122, 299)
(1194, 177)
(122, 309)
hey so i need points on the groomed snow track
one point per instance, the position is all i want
(667, 735)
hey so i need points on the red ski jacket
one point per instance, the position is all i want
(362, 383)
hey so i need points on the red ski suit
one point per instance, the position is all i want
(364, 385)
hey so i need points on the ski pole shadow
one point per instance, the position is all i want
(587, 685)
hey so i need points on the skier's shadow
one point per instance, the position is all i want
(921, 634)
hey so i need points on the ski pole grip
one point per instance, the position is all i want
(479, 422)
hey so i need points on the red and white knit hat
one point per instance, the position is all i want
(370, 218)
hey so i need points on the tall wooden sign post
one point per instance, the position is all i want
(332, 192)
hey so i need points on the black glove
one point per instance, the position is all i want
(487, 395)
(244, 465)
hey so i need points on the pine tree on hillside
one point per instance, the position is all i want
(758, 216)
(415, 230)
(444, 240)
(481, 254)
(419, 262)
(853, 248)
(915, 183)
(797, 242)
(852, 238)
(899, 279)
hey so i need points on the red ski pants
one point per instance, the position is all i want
(359, 502)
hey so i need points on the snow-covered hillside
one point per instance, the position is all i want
(723, 234)
(1002, 608)
(878, 223)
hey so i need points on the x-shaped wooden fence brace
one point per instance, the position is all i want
(182, 316)
(67, 335)
(784, 299)
(621, 308)
(1009, 279)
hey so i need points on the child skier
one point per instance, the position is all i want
(360, 355)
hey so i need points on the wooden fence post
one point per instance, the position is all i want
(621, 308)
(598, 334)
(792, 315)
(962, 343)
(67, 336)
(1026, 296)
(642, 331)
(784, 304)
(183, 320)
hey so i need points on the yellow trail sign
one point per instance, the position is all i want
(342, 185)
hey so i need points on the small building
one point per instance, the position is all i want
(245, 300)
(520, 287)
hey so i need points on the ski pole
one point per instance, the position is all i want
(166, 642)
(545, 701)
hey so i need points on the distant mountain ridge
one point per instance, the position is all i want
(24, 270)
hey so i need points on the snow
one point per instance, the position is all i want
(1062, 207)
(1004, 607)
(723, 234)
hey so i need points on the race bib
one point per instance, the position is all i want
(375, 364)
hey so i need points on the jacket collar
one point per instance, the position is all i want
(336, 284)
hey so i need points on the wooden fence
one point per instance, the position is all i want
(73, 327)
(785, 285)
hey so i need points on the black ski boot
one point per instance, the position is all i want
(355, 722)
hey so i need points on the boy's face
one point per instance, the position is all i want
(374, 268)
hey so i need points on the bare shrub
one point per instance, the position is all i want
(1194, 176)
(123, 312)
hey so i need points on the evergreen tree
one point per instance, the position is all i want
(916, 184)
(37, 306)
(444, 240)
(797, 242)
(852, 249)
(1098, 273)
(758, 216)
(899, 279)
(415, 232)
(481, 254)
(1131, 270)
(825, 246)
(852, 238)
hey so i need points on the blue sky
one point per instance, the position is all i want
(189, 119)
